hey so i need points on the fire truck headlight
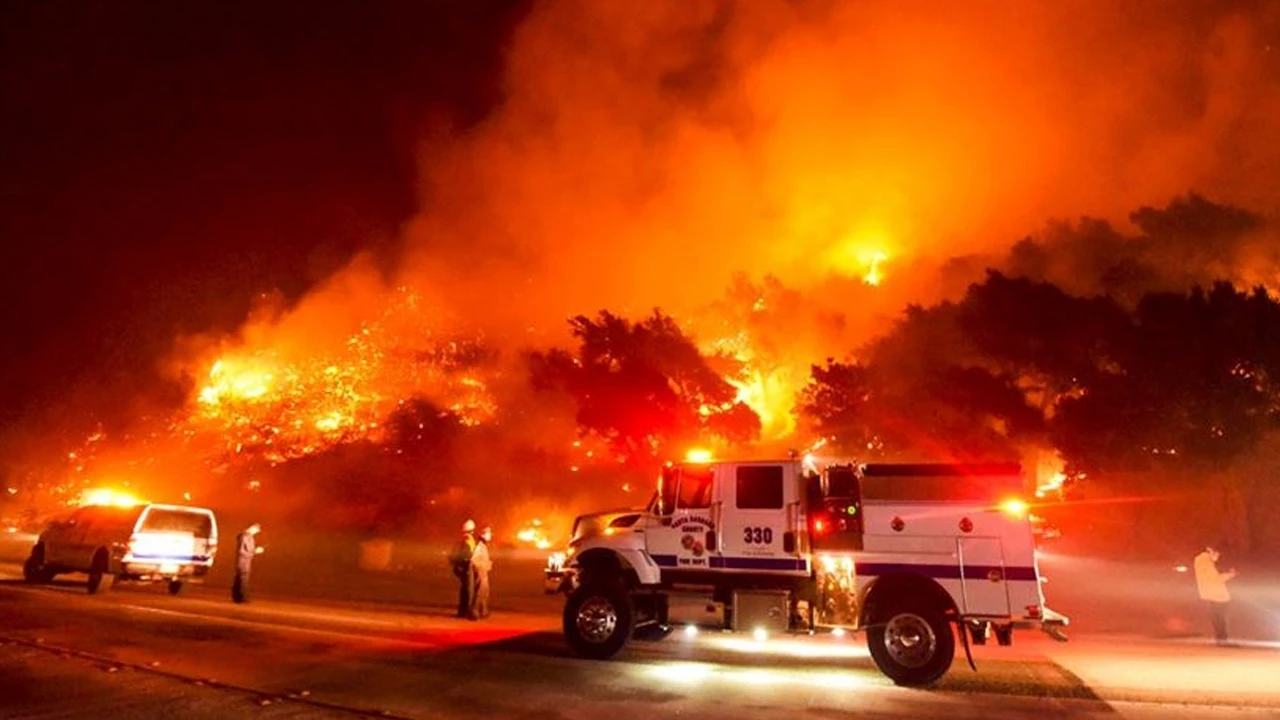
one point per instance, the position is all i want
(690, 631)
(838, 632)
(759, 634)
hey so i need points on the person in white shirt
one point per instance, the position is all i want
(481, 566)
(1211, 584)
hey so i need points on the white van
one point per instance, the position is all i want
(142, 543)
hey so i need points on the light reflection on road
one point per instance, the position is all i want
(695, 674)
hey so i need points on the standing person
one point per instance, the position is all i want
(246, 549)
(1212, 587)
(481, 564)
(460, 562)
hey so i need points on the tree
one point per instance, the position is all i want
(1050, 343)
(1196, 386)
(643, 385)
(951, 413)
(836, 404)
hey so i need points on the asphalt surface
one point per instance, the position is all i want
(136, 652)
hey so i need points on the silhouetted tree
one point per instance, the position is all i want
(642, 385)
(1197, 386)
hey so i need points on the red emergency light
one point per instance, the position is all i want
(820, 524)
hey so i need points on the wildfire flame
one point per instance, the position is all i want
(534, 535)
(768, 389)
(256, 399)
(874, 275)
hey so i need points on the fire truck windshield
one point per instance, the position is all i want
(667, 487)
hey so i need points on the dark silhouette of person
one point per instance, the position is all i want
(246, 549)
(460, 563)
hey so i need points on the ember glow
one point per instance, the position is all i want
(109, 496)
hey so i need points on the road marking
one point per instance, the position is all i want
(282, 627)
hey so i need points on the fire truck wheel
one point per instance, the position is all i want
(598, 619)
(913, 645)
(175, 587)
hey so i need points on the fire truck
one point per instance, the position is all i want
(900, 552)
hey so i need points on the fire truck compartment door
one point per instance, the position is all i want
(759, 508)
(983, 586)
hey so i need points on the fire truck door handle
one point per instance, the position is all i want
(793, 519)
(713, 535)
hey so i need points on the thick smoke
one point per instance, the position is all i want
(643, 155)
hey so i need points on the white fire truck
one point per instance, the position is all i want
(900, 551)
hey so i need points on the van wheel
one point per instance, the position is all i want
(97, 571)
(34, 570)
(175, 587)
(598, 619)
(914, 645)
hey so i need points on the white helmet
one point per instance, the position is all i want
(469, 526)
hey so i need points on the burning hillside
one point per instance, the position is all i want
(257, 400)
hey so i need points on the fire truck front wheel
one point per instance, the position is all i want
(912, 645)
(598, 619)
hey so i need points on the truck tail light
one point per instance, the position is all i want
(820, 524)
(1033, 611)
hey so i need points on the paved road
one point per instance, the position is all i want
(138, 653)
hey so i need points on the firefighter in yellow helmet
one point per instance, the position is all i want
(460, 562)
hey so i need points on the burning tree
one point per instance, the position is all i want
(643, 386)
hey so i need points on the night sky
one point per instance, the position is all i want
(160, 163)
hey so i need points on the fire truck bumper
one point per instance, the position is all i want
(1054, 624)
(559, 581)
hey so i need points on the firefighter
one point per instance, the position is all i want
(1211, 584)
(246, 549)
(460, 561)
(481, 564)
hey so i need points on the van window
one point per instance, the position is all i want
(159, 520)
(760, 487)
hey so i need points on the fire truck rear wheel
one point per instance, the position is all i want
(598, 619)
(913, 645)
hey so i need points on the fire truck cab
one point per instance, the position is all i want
(900, 551)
